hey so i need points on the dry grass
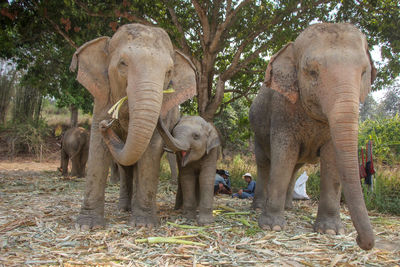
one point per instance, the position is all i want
(38, 210)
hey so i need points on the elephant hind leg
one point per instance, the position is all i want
(64, 162)
(125, 187)
(289, 194)
(328, 216)
(76, 166)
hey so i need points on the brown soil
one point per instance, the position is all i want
(38, 209)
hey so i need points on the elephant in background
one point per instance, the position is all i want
(74, 147)
(308, 109)
(195, 143)
(139, 63)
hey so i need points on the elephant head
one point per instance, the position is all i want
(329, 70)
(192, 137)
(138, 62)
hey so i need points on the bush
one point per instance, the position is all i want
(27, 137)
(384, 133)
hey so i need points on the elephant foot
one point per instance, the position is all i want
(140, 218)
(189, 214)
(205, 219)
(89, 220)
(124, 204)
(329, 225)
(257, 205)
(288, 204)
(272, 222)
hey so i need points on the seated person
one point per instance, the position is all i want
(249, 191)
(222, 183)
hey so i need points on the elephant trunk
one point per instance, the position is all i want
(144, 100)
(343, 121)
(172, 143)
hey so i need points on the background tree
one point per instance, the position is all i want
(368, 110)
(229, 41)
(8, 76)
(390, 104)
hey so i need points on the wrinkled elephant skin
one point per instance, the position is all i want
(137, 62)
(74, 147)
(196, 145)
(308, 109)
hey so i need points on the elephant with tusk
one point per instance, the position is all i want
(308, 109)
(137, 63)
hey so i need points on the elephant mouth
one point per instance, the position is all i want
(185, 157)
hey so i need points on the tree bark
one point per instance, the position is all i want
(74, 116)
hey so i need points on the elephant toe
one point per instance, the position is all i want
(141, 221)
(204, 220)
(330, 226)
(272, 222)
(85, 222)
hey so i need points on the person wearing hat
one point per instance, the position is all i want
(222, 183)
(249, 191)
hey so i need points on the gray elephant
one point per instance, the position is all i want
(74, 147)
(308, 109)
(139, 63)
(196, 144)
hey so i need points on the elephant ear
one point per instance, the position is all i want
(183, 83)
(212, 138)
(92, 61)
(281, 74)
(367, 78)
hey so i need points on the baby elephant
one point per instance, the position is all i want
(74, 146)
(195, 143)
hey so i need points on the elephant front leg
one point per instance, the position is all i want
(206, 184)
(328, 216)
(284, 156)
(92, 211)
(145, 182)
(125, 187)
(188, 182)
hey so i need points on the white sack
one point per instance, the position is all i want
(300, 187)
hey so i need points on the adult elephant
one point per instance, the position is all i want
(139, 63)
(196, 145)
(74, 147)
(308, 109)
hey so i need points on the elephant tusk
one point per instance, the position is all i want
(117, 106)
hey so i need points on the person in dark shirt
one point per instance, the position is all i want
(222, 183)
(249, 191)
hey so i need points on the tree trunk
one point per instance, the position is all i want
(74, 116)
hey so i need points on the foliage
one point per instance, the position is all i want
(228, 41)
(390, 104)
(385, 196)
(29, 136)
(233, 124)
(384, 132)
(313, 182)
(368, 109)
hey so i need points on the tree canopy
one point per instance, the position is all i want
(229, 41)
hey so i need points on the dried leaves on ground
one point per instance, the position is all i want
(38, 211)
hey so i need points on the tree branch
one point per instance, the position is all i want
(182, 41)
(226, 24)
(204, 23)
(61, 32)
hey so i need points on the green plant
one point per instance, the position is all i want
(312, 186)
(28, 137)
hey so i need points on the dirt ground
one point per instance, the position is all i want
(38, 209)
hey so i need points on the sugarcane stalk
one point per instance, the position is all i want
(184, 226)
(173, 240)
(226, 208)
(237, 213)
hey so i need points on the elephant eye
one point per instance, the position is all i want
(123, 64)
(196, 136)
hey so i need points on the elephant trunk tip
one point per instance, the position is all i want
(366, 243)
